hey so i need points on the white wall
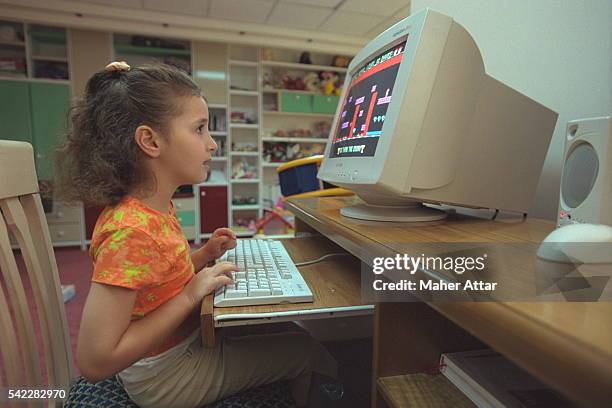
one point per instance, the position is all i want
(558, 52)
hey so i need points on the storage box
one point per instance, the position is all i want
(294, 102)
(325, 103)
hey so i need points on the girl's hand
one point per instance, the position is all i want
(209, 280)
(220, 241)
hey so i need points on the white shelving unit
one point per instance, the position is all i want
(277, 117)
(244, 95)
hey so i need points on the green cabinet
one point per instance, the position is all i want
(325, 103)
(295, 102)
(15, 118)
(34, 112)
(49, 104)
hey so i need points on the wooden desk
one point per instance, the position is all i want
(566, 345)
(334, 282)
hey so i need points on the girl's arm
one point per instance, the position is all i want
(110, 342)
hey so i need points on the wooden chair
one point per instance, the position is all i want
(22, 214)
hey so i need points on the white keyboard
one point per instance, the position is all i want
(267, 276)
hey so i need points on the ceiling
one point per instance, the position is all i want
(359, 18)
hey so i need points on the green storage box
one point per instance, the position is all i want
(325, 103)
(295, 102)
(186, 218)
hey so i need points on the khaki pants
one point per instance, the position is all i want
(191, 376)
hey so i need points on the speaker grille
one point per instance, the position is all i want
(579, 174)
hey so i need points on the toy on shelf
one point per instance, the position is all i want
(275, 152)
(241, 117)
(281, 152)
(246, 222)
(244, 147)
(305, 58)
(243, 170)
(329, 83)
(295, 84)
(268, 54)
(240, 200)
(312, 82)
(267, 80)
(341, 61)
(322, 129)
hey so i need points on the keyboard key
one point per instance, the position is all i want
(235, 294)
(259, 292)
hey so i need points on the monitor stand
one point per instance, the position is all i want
(410, 212)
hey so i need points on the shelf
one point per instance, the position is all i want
(244, 153)
(217, 133)
(51, 59)
(311, 115)
(421, 390)
(245, 207)
(304, 67)
(13, 43)
(295, 139)
(268, 164)
(244, 125)
(240, 63)
(294, 91)
(243, 93)
(245, 181)
(213, 184)
(217, 106)
(150, 51)
(219, 159)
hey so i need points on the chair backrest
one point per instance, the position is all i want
(21, 213)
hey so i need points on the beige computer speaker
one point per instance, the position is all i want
(586, 183)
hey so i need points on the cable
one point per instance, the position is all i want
(297, 265)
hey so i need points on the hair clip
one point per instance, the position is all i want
(117, 66)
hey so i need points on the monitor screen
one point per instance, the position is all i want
(363, 110)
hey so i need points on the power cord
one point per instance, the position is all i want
(321, 259)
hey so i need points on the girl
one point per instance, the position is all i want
(135, 136)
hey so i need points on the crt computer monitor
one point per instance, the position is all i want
(420, 121)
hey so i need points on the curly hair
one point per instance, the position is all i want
(99, 162)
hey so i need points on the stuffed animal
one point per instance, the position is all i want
(299, 84)
(293, 151)
(268, 54)
(341, 61)
(305, 58)
(311, 82)
(329, 82)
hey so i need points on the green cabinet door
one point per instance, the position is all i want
(49, 104)
(15, 121)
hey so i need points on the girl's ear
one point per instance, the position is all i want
(148, 140)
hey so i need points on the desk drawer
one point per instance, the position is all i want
(65, 232)
(63, 214)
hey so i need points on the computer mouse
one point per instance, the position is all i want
(578, 243)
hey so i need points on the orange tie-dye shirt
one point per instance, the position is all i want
(137, 247)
